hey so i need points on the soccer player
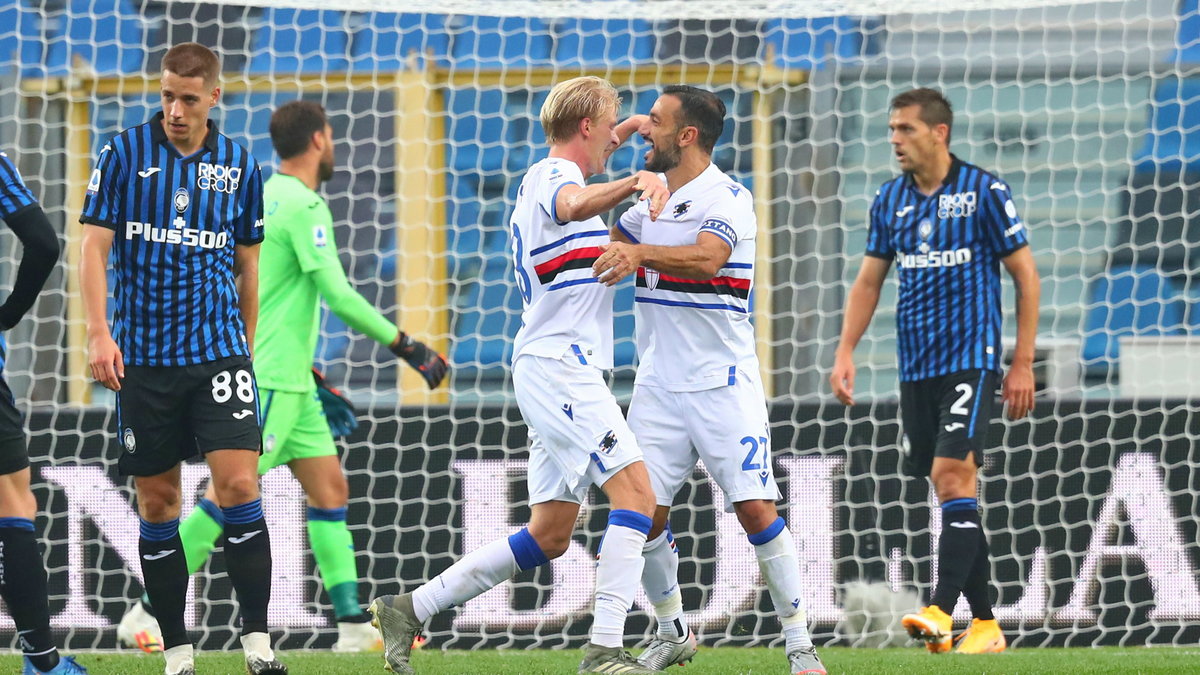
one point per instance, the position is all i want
(949, 225)
(577, 434)
(298, 266)
(179, 205)
(23, 575)
(696, 356)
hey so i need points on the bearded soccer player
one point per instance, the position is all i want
(696, 357)
(577, 434)
(179, 206)
(23, 575)
(298, 267)
(949, 225)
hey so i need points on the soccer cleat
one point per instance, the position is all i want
(983, 637)
(663, 653)
(260, 658)
(180, 660)
(929, 624)
(611, 661)
(396, 620)
(357, 637)
(806, 662)
(138, 628)
(939, 646)
(66, 666)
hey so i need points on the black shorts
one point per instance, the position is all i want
(14, 453)
(945, 416)
(166, 414)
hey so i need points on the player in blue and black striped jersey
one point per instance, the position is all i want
(949, 226)
(22, 572)
(179, 206)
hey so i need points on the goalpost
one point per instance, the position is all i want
(1085, 108)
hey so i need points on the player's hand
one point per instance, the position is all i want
(1018, 390)
(652, 188)
(106, 361)
(842, 378)
(339, 411)
(617, 261)
(431, 365)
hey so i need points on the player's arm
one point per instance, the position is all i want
(701, 260)
(626, 129)
(1018, 384)
(245, 273)
(573, 202)
(104, 356)
(40, 253)
(353, 308)
(860, 307)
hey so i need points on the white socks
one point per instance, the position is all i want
(776, 553)
(617, 574)
(660, 578)
(476, 572)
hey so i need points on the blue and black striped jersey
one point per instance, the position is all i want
(177, 220)
(14, 195)
(948, 247)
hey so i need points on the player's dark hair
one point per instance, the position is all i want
(292, 127)
(935, 109)
(192, 59)
(702, 109)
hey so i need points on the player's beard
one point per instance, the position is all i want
(664, 159)
(324, 170)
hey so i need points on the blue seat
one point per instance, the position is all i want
(476, 128)
(1187, 43)
(301, 41)
(109, 40)
(803, 43)
(1174, 138)
(489, 42)
(488, 317)
(21, 43)
(1129, 301)
(386, 41)
(603, 42)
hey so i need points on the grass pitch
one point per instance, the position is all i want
(716, 661)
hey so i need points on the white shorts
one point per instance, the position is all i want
(727, 428)
(577, 434)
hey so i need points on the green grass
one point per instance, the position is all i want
(722, 661)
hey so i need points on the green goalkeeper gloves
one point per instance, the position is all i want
(339, 411)
(430, 364)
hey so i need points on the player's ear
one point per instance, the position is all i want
(942, 133)
(216, 95)
(688, 136)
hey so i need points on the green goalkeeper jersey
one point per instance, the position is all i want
(298, 265)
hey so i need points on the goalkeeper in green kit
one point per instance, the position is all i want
(300, 414)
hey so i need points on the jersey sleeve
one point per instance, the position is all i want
(558, 176)
(731, 216)
(14, 195)
(311, 237)
(1002, 226)
(102, 203)
(248, 230)
(630, 222)
(879, 236)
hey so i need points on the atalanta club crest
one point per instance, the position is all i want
(129, 441)
(652, 278)
(181, 200)
(926, 228)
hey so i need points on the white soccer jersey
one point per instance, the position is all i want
(694, 335)
(565, 308)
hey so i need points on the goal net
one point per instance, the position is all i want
(1090, 110)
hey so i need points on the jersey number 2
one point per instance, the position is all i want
(959, 407)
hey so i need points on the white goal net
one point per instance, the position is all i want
(1090, 110)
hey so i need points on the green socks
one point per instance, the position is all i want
(333, 547)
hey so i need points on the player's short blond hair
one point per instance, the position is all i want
(572, 101)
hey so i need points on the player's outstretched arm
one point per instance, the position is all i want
(245, 271)
(1018, 384)
(626, 129)
(860, 307)
(574, 203)
(104, 356)
(37, 262)
(353, 308)
(701, 260)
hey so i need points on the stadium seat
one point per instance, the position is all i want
(301, 41)
(489, 42)
(109, 41)
(20, 46)
(384, 41)
(603, 42)
(1125, 302)
(1174, 138)
(1187, 43)
(489, 318)
(802, 43)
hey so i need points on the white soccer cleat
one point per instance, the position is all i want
(663, 653)
(806, 662)
(357, 637)
(260, 658)
(180, 660)
(140, 630)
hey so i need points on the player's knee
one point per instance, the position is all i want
(333, 495)
(158, 504)
(659, 524)
(235, 490)
(553, 544)
(755, 515)
(953, 481)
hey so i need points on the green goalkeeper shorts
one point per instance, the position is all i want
(293, 428)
